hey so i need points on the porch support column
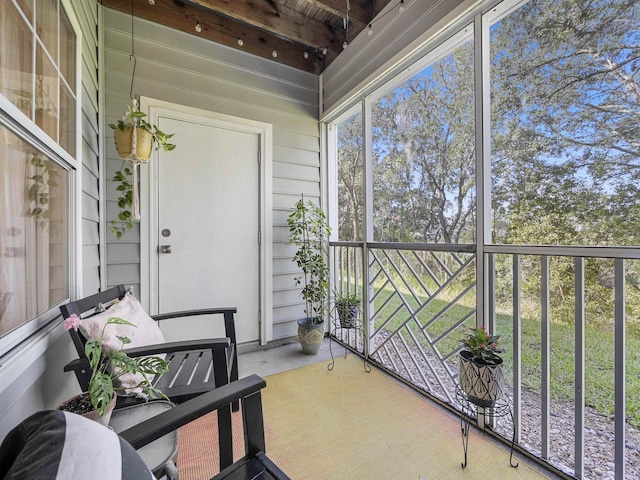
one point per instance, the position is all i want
(579, 367)
(483, 163)
(545, 357)
(367, 288)
(620, 367)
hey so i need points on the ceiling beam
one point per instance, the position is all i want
(225, 31)
(361, 10)
(278, 20)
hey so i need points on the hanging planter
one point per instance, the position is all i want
(135, 139)
(124, 143)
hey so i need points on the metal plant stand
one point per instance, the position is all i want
(354, 326)
(471, 410)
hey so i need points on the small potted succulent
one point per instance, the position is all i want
(130, 129)
(347, 306)
(480, 367)
(106, 367)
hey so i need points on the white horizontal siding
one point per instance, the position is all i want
(188, 70)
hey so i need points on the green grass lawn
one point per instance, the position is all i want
(599, 351)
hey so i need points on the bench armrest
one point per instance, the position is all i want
(246, 389)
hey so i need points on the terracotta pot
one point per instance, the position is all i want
(92, 415)
(483, 384)
(310, 335)
(124, 143)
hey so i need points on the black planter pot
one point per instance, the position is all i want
(348, 315)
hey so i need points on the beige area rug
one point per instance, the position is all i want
(349, 424)
(352, 425)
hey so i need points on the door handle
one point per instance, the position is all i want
(164, 249)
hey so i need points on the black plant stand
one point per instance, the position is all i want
(356, 326)
(471, 410)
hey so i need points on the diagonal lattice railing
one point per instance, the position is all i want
(419, 300)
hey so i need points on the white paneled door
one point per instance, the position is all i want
(208, 194)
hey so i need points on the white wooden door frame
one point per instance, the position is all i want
(149, 203)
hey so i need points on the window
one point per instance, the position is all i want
(423, 147)
(350, 177)
(34, 237)
(564, 123)
(38, 65)
(44, 89)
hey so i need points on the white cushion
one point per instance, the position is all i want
(56, 445)
(145, 333)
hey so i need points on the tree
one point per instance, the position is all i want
(424, 155)
(350, 179)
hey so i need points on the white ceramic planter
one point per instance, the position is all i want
(483, 384)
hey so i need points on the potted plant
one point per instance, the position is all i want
(480, 368)
(309, 232)
(130, 129)
(347, 305)
(106, 367)
(147, 136)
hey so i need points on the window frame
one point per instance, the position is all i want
(12, 118)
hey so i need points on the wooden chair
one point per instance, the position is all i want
(254, 464)
(195, 366)
(36, 448)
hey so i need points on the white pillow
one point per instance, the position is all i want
(60, 445)
(145, 333)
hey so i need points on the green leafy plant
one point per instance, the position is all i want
(483, 346)
(123, 177)
(342, 301)
(342, 298)
(135, 118)
(125, 201)
(347, 306)
(309, 232)
(108, 365)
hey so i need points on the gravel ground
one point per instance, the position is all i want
(599, 429)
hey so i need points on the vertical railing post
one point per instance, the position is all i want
(367, 293)
(579, 367)
(516, 349)
(620, 367)
(491, 294)
(545, 354)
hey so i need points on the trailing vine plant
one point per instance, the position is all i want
(125, 201)
(125, 178)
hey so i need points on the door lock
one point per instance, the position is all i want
(164, 249)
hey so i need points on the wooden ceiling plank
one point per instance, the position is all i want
(361, 10)
(224, 31)
(278, 20)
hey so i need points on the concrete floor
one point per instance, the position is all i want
(287, 356)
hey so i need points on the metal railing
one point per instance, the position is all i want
(418, 301)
